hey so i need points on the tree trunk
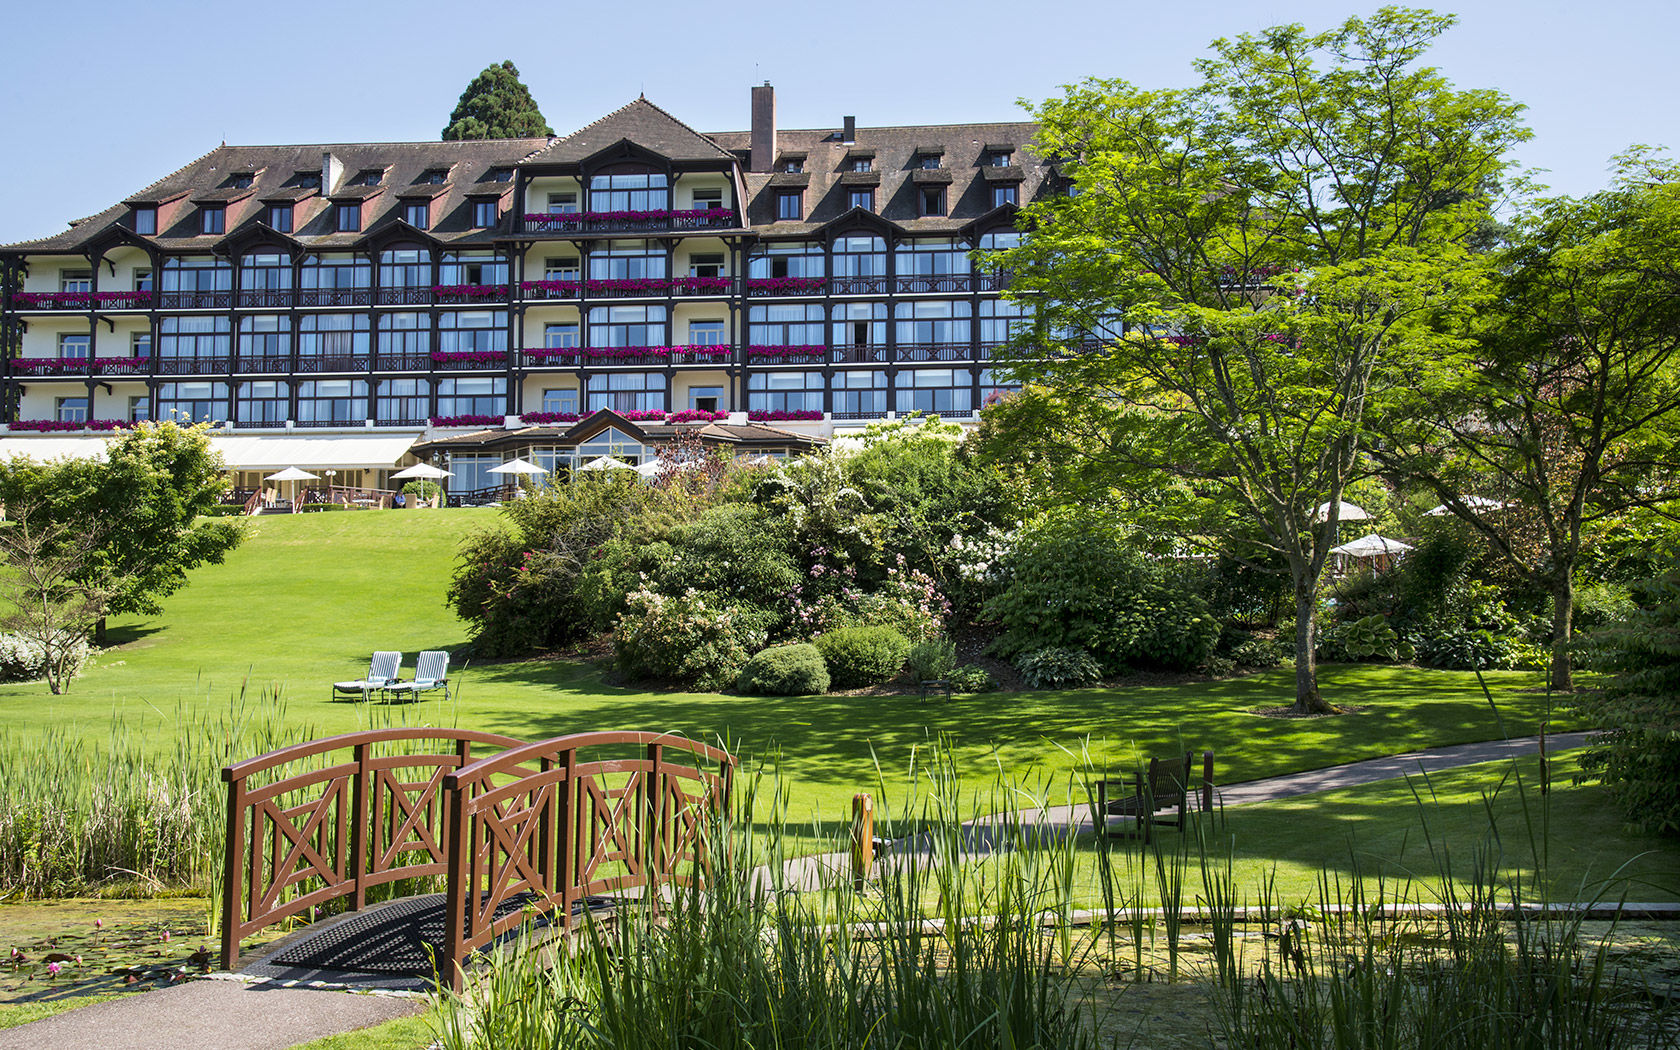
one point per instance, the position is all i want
(1563, 624)
(1307, 698)
(99, 633)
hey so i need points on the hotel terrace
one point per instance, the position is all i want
(358, 307)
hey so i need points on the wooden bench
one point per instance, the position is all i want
(1159, 794)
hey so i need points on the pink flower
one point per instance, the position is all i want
(52, 969)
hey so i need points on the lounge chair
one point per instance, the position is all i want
(431, 671)
(1159, 796)
(383, 669)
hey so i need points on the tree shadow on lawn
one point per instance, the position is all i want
(117, 637)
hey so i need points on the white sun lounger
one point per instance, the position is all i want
(383, 669)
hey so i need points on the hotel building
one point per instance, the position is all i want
(355, 307)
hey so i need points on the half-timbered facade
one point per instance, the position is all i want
(459, 292)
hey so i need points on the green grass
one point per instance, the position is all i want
(404, 1033)
(308, 597)
(14, 1014)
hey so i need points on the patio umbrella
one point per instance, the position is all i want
(1473, 502)
(606, 463)
(423, 470)
(518, 466)
(1348, 512)
(293, 475)
(1371, 546)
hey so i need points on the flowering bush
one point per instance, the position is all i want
(909, 602)
(858, 656)
(760, 415)
(470, 291)
(54, 425)
(446, 356)
(23, 659)
(688, 638)
(466, 421)
(541, 418)
(784, 285)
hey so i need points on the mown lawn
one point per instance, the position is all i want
(305, 600)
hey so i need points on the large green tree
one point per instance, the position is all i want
(496, 105)
(1241, 268)
(1567, 413)
(141, 502)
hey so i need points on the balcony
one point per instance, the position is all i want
(859, 355)
(626, 288)
(465, 294)
(658, 221)
(194, 366)
(103, 301)
(941, 283)
(550, 357)
(315, 297)
(221, 300)
(266, 298)
(787, 355)
(857, 286)
(315, 364)
(716, 356)
(404, 297)
(934, 352)
(403, 362)
(263, 365)
(470, 360)
(318, 424)
(780, 286)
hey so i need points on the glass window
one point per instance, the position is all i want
(193, 337)
(562, 203)
(998, 158)
(370, 177)
(860, 393)
(212, 218)
(348, 217)
(405, 268)
(612, 442)
(262, 403)
(265, 273)
(337, 273)
(337, 336)
(649, 192)
(793, 165)
(932, 199)
(197, 275)
(945, 390)
(145, 220)
(472, 331)
(142, 279)
(472, 396)
(560, 399)
(627, 261)
(929, 161)
(560, 336)
(931, 258)
(561, 268)
(627, 392)
(708, 197)
(140, 344)
(1000, 240)
(472, 473)
(240, 180)
(705, 398)
(790, 205)
(280, 217)
(860, 325)
(785, 324)
(433, 177)
(785, 391)
(70, 409)
(404, 335)
(139, 407)
(501, 174)
(192, 402)
(473, 268)
(860, 163)
(1002, 195)
(483, 214)
(339, 401)
(1001, 320)
(418, 214)
(72, 346)
(860, 256)
(265, 335)
(75, 281)
(786, 259)
(402, 401)
(864, 198)
(705, 264)
(706, 333)
(933, 322)
(996, 384)
(627, 326)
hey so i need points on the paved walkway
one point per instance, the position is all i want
(230, 1015)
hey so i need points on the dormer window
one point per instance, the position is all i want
(348, 217)
(501, 175)
(433, 177)
(418, 214)
(860, 164)
(280, 217)
(369, 177)
(929, 161)
(932, 200)
(998, 158)
(145, 219)
(240, 180)
(790, 205)
(1002, 195)
(793, 166)
(308, 180)
(212, 218)
(484, 214)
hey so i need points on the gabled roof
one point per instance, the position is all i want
(642, 123)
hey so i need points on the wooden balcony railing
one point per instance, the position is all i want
(270, 298)
(195, 300)
(933, 352)
(194, 366)
(405, 296)
(311, 363)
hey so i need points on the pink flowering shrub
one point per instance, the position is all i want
(908, 601)
(690, 638)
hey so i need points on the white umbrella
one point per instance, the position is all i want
(423, 470)
(1348, 512)
(651, 468)
(518, 466)
(294, 475)
(1370, 546)
(606, 463)
(1473, 502)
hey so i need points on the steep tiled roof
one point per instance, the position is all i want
(963, 147)
(312, 218)
(643, 123)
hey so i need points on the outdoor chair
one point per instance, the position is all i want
(383, 669)
(1159, 795)
(431, 671)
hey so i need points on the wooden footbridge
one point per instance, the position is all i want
(509, 829)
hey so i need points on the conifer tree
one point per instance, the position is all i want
(496, 105)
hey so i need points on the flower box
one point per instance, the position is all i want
(542, 418)
(760, 415)
(773, 352)
(465, 421)
(470, 292)
(57, 425)
(469, 356)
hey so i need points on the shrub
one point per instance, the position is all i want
(908, 601)
(22, 659)
(858, 656)
(1364, 639)
(225, 510)
(1637, 756)
(1058, 668)
(422, 489)
(1259, 653)
(785, 670)
(933, 659)
(971, 678)
(734, 552)
(687, 639)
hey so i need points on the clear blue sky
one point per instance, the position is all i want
(101, 99)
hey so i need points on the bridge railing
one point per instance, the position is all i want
(333, 818)
(549, 823)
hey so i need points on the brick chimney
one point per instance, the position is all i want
(763, 127)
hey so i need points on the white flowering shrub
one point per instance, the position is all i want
(24, 659)
(690, 638)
